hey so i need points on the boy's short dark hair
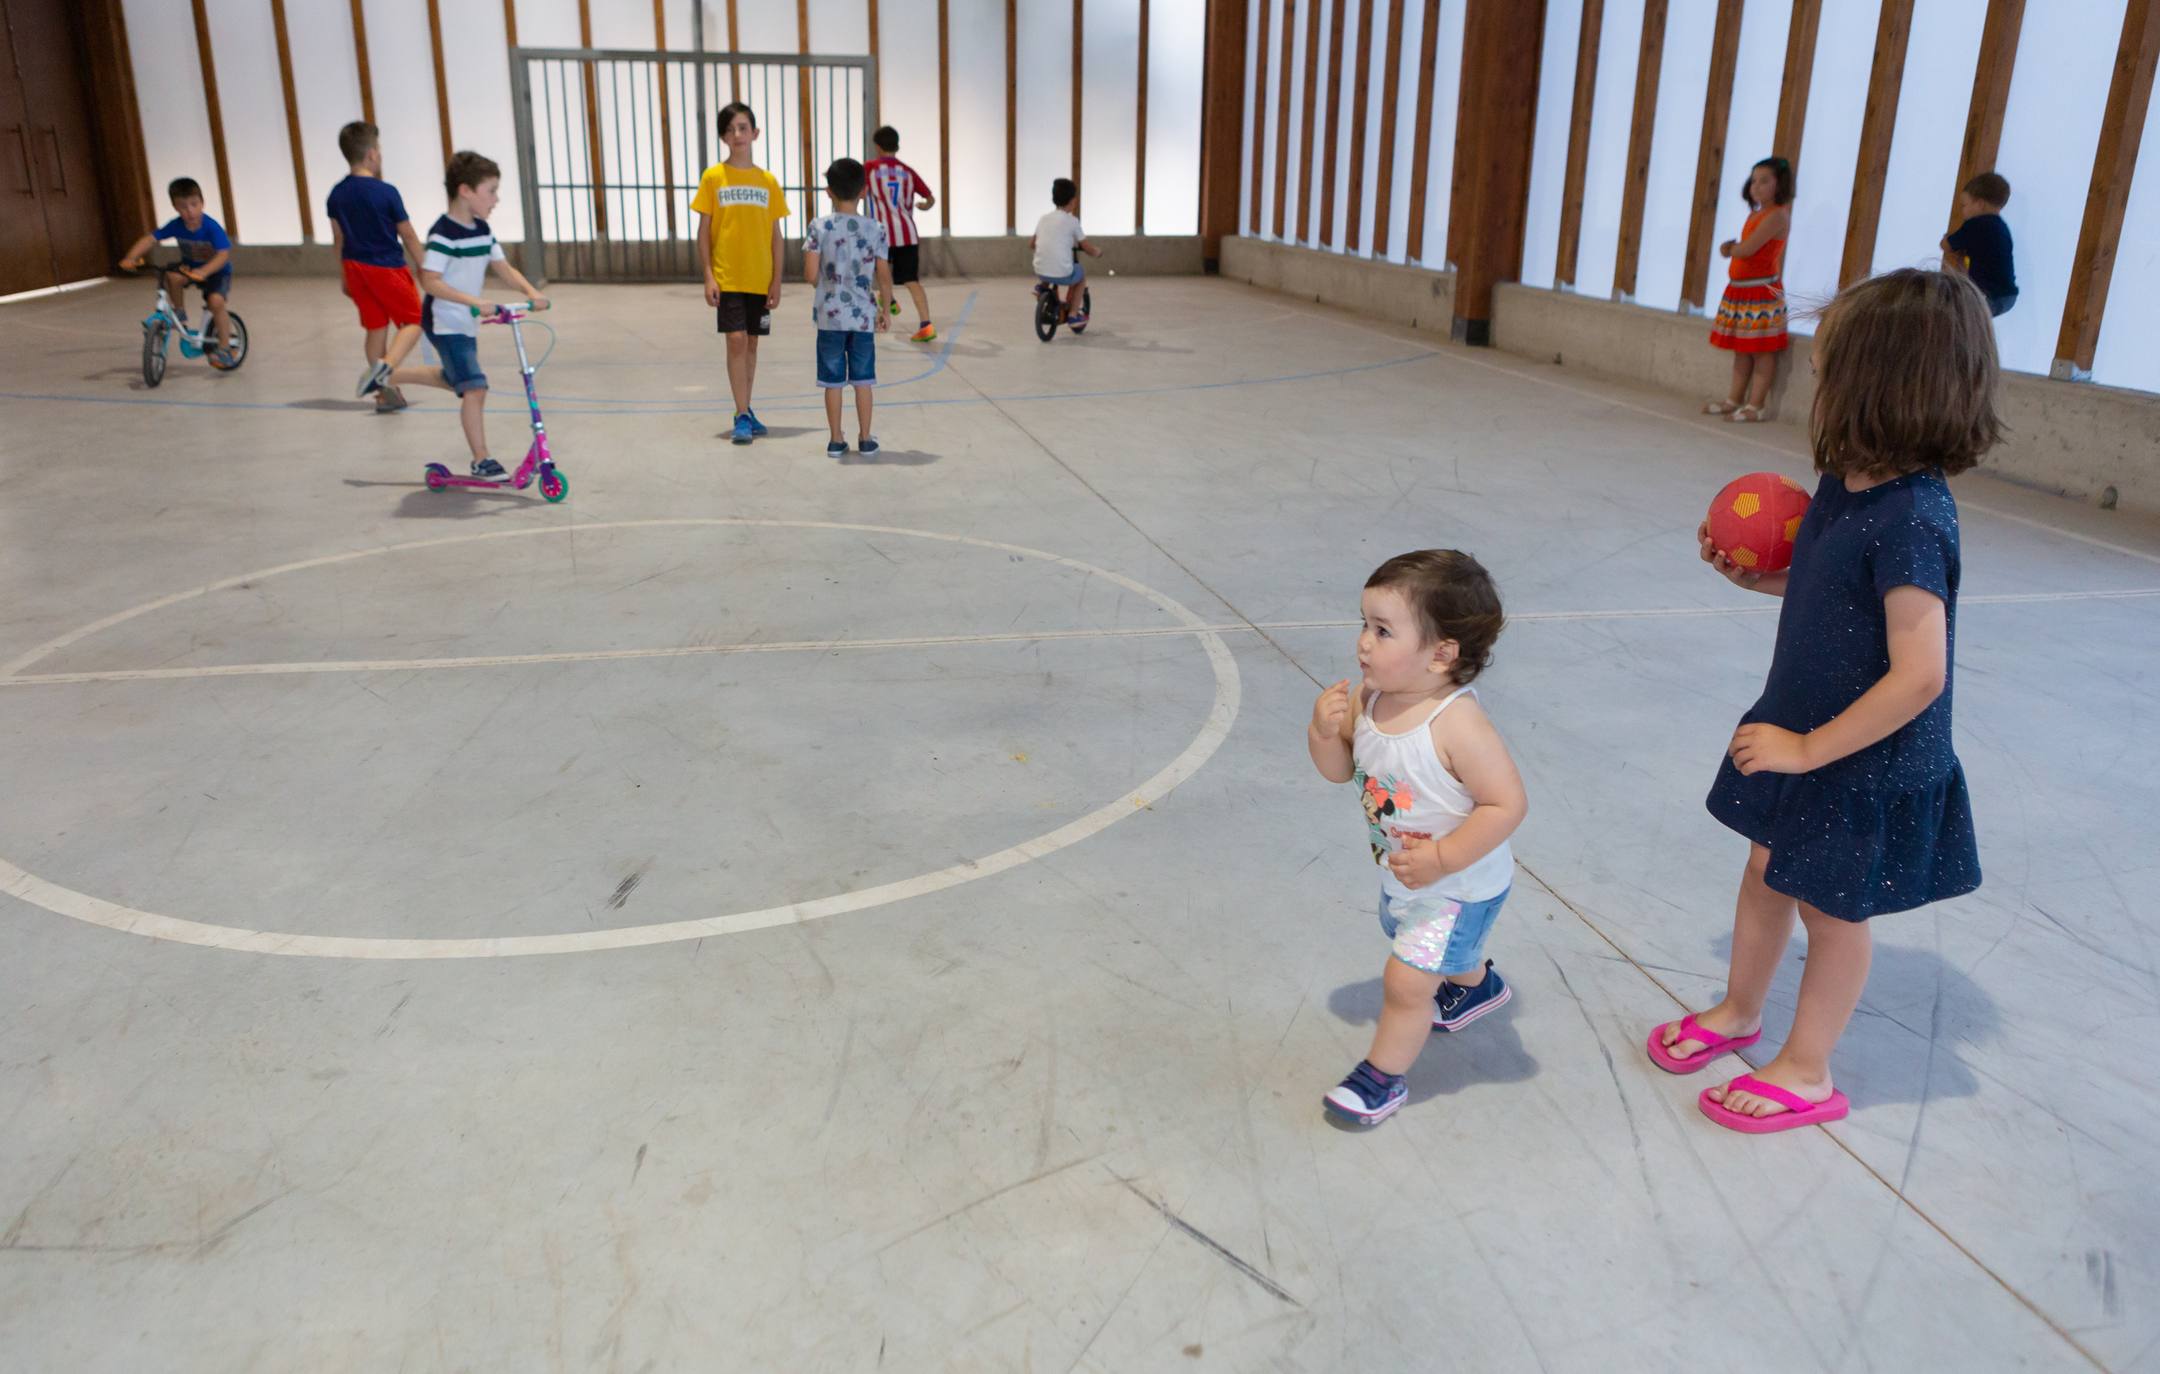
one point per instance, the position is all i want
(468, 168)
(1454, 598)
(355, 139)
(1905, 376)
(1781, 168)
(1989, 188)
(845, 179)
(183, 187)
(732, 109)
(887, 138)
(1062, 192)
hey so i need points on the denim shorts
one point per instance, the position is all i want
(1436, 934)
(460, 354)
(1072, 278)
(846, 357)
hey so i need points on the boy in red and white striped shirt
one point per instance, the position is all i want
(897, 191)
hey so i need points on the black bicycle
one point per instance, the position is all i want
(1050, 311)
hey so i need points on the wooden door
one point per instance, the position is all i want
(49, 62)
(25, 251)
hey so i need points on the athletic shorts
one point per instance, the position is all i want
(385, 296)
(906, 264)
(744, 312)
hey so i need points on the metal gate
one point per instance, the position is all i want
(611, 144)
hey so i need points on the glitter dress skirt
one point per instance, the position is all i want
(1853, 852)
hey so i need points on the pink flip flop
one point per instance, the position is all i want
(1798, 1110)
(1691, 1029)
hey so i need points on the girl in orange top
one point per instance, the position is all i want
(1751, 316)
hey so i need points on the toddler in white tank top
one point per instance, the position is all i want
(1441, 796)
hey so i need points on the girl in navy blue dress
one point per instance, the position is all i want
(1842, 775)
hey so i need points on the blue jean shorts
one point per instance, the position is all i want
(1435, 934)
(460, 354)
(1072, 278)
(846, 357)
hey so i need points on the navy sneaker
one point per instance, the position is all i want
(1368, 1096)
(757, 426)
(373, 380)
(1456, 1006)
(867, 445)
(742, 433)
(488, 468)
(836, 449)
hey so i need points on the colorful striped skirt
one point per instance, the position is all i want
(1751, 317)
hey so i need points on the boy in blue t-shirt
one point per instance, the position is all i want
(1981, 245)
(205, 262)
(847, 257)
(374, 235)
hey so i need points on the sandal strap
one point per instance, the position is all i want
(1790, 1101)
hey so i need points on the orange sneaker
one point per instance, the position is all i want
(924, 334)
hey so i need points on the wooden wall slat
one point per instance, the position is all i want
(1710, 152)
(1259, 116)
(1306, 220)
(944, 118)
(1642, 130)
(1012, 110)
(1578, 147)
(1421, 141)
(1503, 44)
(1222, 120)
(1390, 89)
(734, 44)
(2122, 127)
(123, 165)
(1990, 96)
(1886, 76)
(442, 87)
(667, 136)
(510, 22)
(1359, 100)
(805, 132)
(1140, 132)
(1079, 48)
(292, 121)
(596, 166)
(217, 118)
(1791, 128)
(360, 61)
(1334, 123)
(1282, 114)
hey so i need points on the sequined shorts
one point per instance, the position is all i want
(1436, 934)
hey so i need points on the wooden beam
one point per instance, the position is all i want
(1282, 114)
(1079, 46)
(1642, 128)
(1334, 123)
(292, 121)
(217, 117)
(1012, 112)
(2122, 126)
(122, 164)
(734, 44)
(1259, 116)
(1222, 118)
(1421, 142)
(1390, 89)
(1353, 231)
(1990, 97)
(944, 118)
(1503, 41)
(367, 82)
(442, 87)
(1893, 31)
(1791, 126)
(1578, 146)
(1710, 152)
(667, 136)
(1139, 132)
(1305, 219)
(595, 168)
(510, 23)
(805, 132)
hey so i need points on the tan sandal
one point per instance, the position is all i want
(1747, 415)
(1718, 407)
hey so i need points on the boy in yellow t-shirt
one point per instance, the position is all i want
(739, 206)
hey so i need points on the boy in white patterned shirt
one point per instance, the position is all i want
(847, 258)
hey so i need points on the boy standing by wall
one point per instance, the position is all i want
(373, 233)
(897, 191)
(1981, 245)
(845, 259)
(739, 206)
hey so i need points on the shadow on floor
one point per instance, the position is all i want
(326, 403)
(1121, 343)
(887, 458)
(1490, 1051)
(457, 503)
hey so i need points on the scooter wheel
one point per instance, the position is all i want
(553, 485)
(438, 477)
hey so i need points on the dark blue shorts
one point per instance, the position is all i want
(219, 285)
(846, 357)
(460, 354)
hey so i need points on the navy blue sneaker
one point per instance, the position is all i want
(1456, 1006)
(488, 468)
(1368, 1096)
(757, 426)
(836, 449)
(742, 433)
(867, 445)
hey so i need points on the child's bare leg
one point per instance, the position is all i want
(1759, 385)
(1406, 1012)
(1743, 364)
(862, 411)
(1762, 928)
(832, 413)
(749, 368)
(472, 416)
(423, 375)
(921, 299)
(377, 339)
(220, 323)
(738, 369)
(1839, 953)
(401, 344)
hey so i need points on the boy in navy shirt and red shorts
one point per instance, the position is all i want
(374, 233)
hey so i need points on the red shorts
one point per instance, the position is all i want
(385, 295)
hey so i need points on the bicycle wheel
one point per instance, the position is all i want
(1046, 315)
(153, 353)
(238, 353)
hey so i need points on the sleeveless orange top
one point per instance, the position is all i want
(1762, 264)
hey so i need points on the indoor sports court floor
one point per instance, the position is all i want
(777, 913)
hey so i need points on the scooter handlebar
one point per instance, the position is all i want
(502, 314)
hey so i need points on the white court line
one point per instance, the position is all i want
(407, 665)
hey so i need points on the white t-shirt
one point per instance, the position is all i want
(461, 253)
(1057, 236)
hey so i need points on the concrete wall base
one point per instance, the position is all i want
(1415, 296)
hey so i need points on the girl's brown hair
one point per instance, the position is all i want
(1905, 376)
(1454, 598)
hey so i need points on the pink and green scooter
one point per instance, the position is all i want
(553, 485)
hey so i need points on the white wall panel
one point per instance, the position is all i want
(908, 92)
(1398, 225)
(176, 118)
(1549, 145)
(1300, 222)
(1270, 88)
(1110, 76)
(1447, 94)
(252, 99)
(1044, 148)
(1830, 151)
(1375, 87)
(476, 57)
(978, 120)
(326, 87)
(402, 68)
(1676, 139)
(1611, 115)
(1930, 136)
(1175, 45)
